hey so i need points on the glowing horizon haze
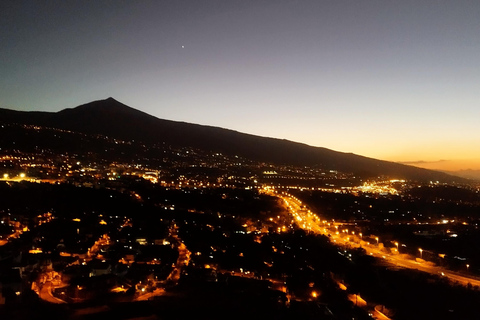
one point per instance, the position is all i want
(397, 81)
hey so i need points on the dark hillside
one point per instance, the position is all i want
(114, 119)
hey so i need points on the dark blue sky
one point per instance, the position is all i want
(396, 80)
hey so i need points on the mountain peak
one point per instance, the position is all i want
(104, 107)
(111, 100)
(103, 103)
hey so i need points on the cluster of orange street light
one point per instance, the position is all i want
(310, 221)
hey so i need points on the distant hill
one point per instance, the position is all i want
(468, 174)
(114, 119)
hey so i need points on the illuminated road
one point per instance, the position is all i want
(29, 179)
(183, 256)
(182, 260)
(149, 295)
(311, 222)
(45, 294)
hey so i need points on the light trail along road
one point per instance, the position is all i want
(182, 261)
(45, 293)
(309, 221)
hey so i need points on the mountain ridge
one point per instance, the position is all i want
(115, 119)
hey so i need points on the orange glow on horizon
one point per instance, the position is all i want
(447, 165)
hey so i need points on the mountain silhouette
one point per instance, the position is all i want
(117, 120)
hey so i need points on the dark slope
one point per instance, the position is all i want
(114, 119)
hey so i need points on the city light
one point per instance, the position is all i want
(295, 208)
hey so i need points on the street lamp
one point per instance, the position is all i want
(421, 252)
(396, 244)
(376, 238)
(467, 266)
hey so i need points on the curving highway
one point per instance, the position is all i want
(308, 220)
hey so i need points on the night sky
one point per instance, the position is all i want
(395, 80)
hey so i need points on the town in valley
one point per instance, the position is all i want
(97, 226)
